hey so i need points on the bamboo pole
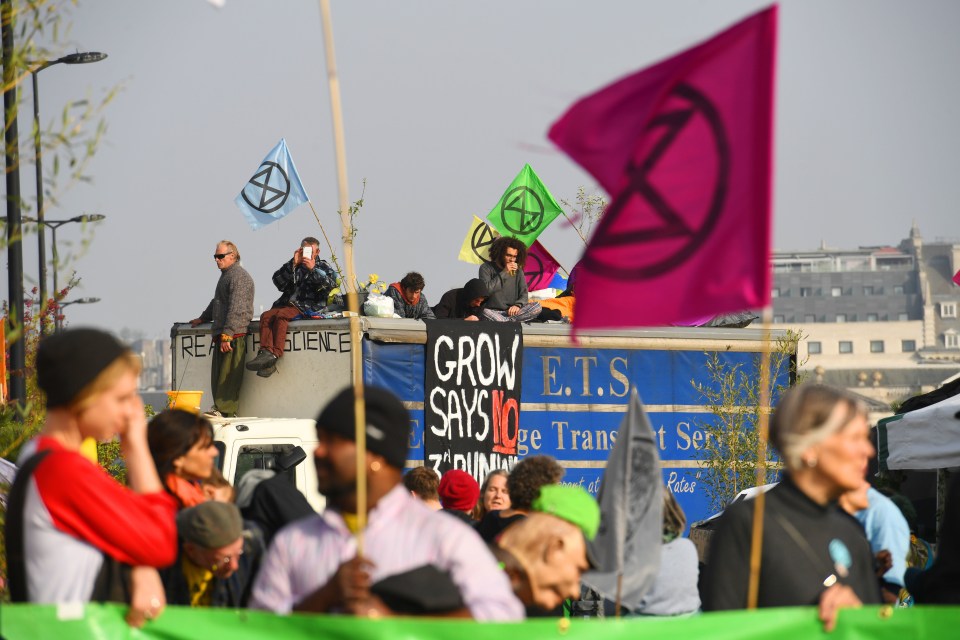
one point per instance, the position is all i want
(333, 254)
(352, 302)
(763, 428)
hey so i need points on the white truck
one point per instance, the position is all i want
(572, 396)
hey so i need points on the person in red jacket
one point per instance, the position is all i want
(78, 535)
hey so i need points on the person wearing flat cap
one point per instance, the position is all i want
(216, 560)
(409, 550)
(73, 533)
(545, 554)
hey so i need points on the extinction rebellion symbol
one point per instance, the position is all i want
(682, 230)
(481, 240)
(526, 203)
(272, 196)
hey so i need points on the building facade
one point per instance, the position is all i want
(880, 321)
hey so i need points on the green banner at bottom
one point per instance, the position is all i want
(96, 622)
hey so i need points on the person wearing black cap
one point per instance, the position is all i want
(313, 564)
(72, 531)
(465, 303)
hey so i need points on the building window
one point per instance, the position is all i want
(948, 309)
(836, 292)
(806, 292)
(908, 346)
(775, 293)
(872, 317)
(778, 320)
(876, 346)
(903, 317)
(898, 289)
(868, 291)
(814, 348)
(809, 318)
(841, 317)
(846, 346)
(951, 340)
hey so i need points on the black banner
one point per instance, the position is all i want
(471, 407)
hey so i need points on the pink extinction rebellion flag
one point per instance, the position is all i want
(685, 150)
(540, 267)
(956, 278)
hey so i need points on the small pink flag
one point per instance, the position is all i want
(956, 278)
(685, 150)
(540, 267)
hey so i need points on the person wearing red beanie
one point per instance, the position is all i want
(459, 493)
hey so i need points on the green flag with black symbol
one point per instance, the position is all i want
(525, 209)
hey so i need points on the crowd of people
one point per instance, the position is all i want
(306, 284)
(516, 545)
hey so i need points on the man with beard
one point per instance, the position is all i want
(413, 557)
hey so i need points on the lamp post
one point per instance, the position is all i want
(54, 225)
(73, 58)
(11, 156)
(59, 323)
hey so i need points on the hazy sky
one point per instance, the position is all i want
(444, 102)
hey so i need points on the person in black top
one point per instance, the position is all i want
(466, 303)
(812, 554)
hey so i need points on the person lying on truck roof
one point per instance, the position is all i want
(465, 303)
(408, 298)
(305, 282)
(313, 564)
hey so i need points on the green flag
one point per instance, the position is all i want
(525, 208)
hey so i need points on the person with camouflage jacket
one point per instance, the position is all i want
(305, 281)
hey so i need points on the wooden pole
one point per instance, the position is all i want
(333, 254)
(763, 428)
(352, 302)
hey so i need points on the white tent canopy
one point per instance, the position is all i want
(928, 438)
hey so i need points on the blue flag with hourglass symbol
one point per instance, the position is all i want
(274, 190)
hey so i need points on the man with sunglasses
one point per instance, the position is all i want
(230, 311)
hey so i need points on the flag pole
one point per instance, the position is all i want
(763, 430)
(352, 302)
(333, 255)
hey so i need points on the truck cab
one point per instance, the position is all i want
(245, 444)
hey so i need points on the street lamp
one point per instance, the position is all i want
(54, 225)
(59, 322)
(73, 58)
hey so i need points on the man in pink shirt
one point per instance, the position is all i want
(313, 564)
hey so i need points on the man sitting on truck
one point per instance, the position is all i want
(465, 303)
(313, 564)
(305, 282)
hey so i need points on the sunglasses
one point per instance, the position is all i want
(221, 256)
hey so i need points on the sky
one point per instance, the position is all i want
(444, 102)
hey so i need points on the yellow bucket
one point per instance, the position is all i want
(186, 400)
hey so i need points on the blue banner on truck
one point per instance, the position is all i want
(573, 400)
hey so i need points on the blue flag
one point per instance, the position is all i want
(274, 190)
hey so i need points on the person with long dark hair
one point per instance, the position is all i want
(181, 444)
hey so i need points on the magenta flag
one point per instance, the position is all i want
(685, 150)
(956, 278)
(540, 267)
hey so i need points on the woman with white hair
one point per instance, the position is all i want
(811, 554)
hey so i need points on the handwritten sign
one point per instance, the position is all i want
(472, 396)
